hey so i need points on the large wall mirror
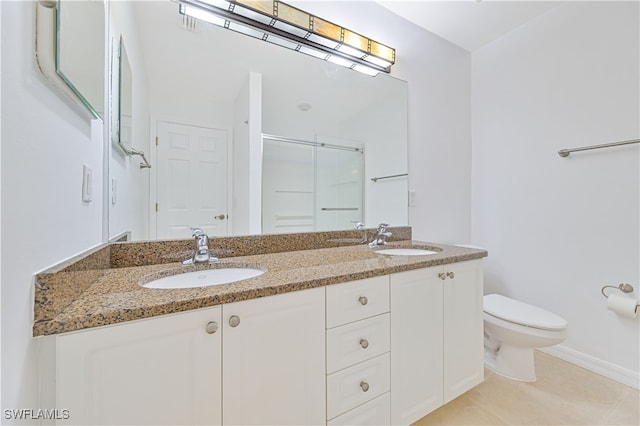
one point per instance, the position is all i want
(201, 84)
(80, 50)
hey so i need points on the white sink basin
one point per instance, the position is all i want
(204, 278)
(406, 252)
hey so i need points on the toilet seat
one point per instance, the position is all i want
(522, 313)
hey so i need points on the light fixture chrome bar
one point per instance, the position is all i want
(269, 29)
(310, 143)
(566, 152)
(375, 179)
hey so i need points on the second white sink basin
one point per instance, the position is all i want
(204, 278)
(406, 252)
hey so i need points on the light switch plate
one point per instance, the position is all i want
(412, 198)
(87, 184)
(114, 191)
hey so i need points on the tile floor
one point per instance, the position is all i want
(564, 394)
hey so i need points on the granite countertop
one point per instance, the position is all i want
(111, 295)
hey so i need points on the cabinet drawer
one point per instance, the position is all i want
(356, 342)
(346, 388)
(375, 412)
(357, 300)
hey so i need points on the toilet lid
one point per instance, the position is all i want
(521, 313)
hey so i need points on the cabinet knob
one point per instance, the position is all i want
(364, 343)
(451, 275)
(234, 320)
(442, 276)
(364, 386)
(211, 327)
(363, 300)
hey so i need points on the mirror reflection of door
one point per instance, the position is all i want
(191, 181)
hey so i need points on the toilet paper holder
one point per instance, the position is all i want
(623, 287)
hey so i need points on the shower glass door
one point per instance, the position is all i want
(339, 188)
(309, 186)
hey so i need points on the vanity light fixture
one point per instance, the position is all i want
(287, 26)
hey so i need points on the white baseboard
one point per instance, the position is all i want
(614, 372)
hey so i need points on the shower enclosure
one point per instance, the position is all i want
(310, 185)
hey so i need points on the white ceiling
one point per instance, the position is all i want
(469, 24)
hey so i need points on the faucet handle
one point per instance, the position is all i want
(357, 224)
(382, 227)
(196, 232)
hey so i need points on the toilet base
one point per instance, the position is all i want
(512, 362)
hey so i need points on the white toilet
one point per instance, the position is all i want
(512, 330)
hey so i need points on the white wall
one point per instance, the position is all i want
(45, 142)
(246, 217)
(558, 229)
(240, 172)
(381, 126)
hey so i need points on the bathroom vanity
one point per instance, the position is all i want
(335, 335)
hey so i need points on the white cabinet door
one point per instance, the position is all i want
(274, 360)
(163, 370)
(416, 344)
(436, 337)
(463, 328)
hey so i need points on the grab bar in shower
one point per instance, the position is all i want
(375, 179)
(566, 152)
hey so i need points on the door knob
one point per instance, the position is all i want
(442, 276)
(451, 275)
(220, 217)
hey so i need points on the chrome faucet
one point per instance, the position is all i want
(360, 226)
(381, 237)
(201, 253)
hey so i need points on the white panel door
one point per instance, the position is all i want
(164, 370)
(274, 360)
(191, 180)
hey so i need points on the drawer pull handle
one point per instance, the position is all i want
(364, 386)
(363, 300)
(364, 343)
(211, 327)
(451, 275)
(234, 321)
(442, 276)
